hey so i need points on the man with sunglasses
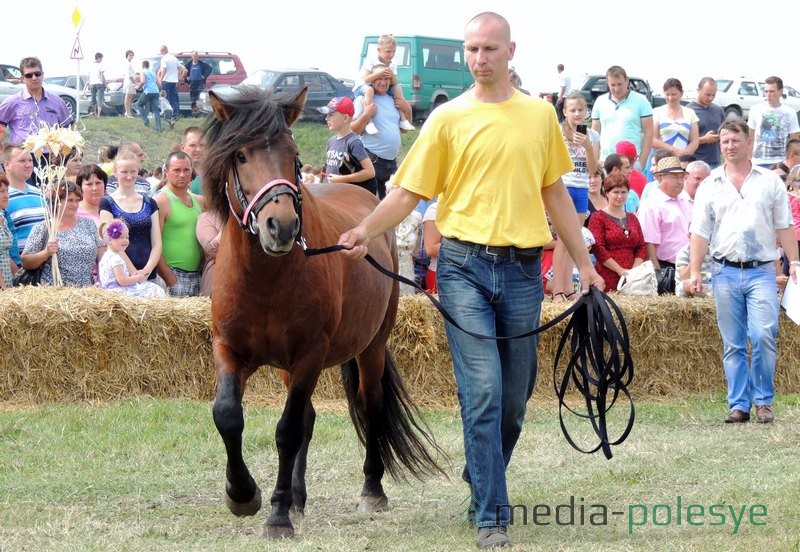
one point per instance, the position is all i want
(24, 112)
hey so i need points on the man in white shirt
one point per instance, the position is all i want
(97, 84)
(564, 88)
(772, 125)
(170, 71)
(739, 211)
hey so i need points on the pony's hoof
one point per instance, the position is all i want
(369, 504)
(274, 532)
(240, 509)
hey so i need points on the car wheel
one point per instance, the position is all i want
(71, 105)
(732, 112)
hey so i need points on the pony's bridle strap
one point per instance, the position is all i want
(269, 191)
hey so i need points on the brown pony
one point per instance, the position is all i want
(274, 305)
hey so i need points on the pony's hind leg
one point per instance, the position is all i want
(365, 398)
(242, 495)
(291, 437)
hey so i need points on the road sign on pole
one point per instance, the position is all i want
(76, 52)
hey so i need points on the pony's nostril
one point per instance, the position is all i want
(273, 227)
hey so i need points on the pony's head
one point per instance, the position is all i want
(251, 164)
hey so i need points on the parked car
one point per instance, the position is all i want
(430, 70)
(69, 81)
(596, 85)
(226, 69)
(11, 83)
(736, 96)
(321, 87)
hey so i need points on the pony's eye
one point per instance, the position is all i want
(240, 157)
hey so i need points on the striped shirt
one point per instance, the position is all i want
(26, 210)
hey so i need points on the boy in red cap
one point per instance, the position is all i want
(636, 179)
(346, 160)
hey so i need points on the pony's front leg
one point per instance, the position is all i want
(290, 434)
(242, 495)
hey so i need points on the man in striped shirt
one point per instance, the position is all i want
(25, 203)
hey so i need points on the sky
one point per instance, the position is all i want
(675, 38)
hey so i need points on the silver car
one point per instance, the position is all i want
(11, 83)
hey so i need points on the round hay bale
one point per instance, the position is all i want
(62, 344)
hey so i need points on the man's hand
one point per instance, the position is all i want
(355, 243)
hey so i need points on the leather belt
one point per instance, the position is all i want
(741, 264)
(505, 251)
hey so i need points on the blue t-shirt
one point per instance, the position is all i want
(621, 121)
(150, 83)
(336, 149)
(386, 143)
(139, 225)
(710, 118)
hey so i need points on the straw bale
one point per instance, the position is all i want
(91, 345)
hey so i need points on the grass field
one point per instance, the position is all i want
(311, 138)
(148, 475)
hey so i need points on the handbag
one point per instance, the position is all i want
(25, 277)
(640, 280)
(32, 277)
(665, 278)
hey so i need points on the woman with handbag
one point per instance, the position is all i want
(7, 266)
(619, 242)
(77, 243)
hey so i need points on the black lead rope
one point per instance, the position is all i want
(594, 344)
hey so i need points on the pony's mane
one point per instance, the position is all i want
(255, 117)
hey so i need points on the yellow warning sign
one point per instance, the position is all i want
(77, 17)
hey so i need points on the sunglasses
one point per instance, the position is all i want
(32, 74)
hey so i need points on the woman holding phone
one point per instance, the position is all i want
(583, 144)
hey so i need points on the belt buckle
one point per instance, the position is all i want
(488, 249)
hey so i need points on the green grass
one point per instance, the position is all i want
(311, 138)
(148, 474)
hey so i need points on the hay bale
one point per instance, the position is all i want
(92, 345)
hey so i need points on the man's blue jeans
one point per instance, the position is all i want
(747, 309)
(497, 296)
(172, 96)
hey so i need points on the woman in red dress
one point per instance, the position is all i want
(619, 243)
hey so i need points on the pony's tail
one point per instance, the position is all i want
(403, 438)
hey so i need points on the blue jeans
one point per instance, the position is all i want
(149, 102)
(497, 296)
(747, 309)
(172, 95)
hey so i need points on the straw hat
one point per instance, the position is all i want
(669, 165)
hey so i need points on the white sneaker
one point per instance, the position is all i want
(405, 125)
(371, 128)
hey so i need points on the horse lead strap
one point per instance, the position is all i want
(595, 329)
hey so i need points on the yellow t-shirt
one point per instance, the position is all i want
(488, 164)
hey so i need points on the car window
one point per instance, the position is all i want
(600, 85)
(441, 56)
(10, 73)
(723, 85)
(288, 81)
(748, 88)
(638, 86)
(791, 92)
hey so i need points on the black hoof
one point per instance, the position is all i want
(241, 509)
(278, 531)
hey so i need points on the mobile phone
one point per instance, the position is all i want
(581, 129)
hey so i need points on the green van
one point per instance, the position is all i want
(431, 70)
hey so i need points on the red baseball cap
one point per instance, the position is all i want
(342, 104)
(628, 149)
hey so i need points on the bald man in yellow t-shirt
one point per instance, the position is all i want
(495, 157)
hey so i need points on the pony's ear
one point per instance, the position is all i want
(293, 110)
(222, 110)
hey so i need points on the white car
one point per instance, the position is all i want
(737, 96)
(11, 83)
